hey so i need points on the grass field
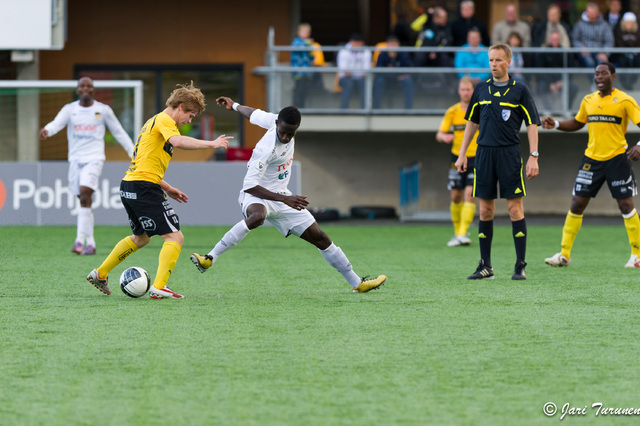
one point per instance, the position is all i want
(272, 334)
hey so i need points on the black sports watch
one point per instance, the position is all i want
(535, 154)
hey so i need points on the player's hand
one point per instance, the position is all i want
(225, 102)
(548, 123)
(298, 202)
(177, 195)
(222, 141)
(634, 153)
(532, 168)
(43, 134)
(461, 164)
(447, 138)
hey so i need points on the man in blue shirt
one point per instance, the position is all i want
(471, 56)
(393, 59)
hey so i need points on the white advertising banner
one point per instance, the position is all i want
(37, 194)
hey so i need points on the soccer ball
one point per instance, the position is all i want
(135, 282)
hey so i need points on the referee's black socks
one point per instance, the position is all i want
(519, 228)
(485, 236)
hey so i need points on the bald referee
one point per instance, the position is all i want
(498, 107)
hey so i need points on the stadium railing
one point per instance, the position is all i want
(435, 88)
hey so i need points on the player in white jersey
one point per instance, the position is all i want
(85, 120)
(265, 196)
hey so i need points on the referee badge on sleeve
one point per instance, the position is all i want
(506, 113)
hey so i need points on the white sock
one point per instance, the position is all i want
(230, 239)
(336, 258)
(85, 224)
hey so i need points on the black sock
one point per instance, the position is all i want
(485, 236)
(520, 237)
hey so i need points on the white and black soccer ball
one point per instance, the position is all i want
(135, 282)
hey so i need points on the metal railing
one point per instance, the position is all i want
(434, 98)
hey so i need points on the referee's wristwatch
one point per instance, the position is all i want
(534, 154)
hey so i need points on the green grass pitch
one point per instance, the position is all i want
(272, 334)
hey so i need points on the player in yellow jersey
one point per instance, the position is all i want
(463, 203)
(607, 112)
(144, 192)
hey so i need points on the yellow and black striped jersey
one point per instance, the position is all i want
(454, 120)
(607, 119)
(500, 111)
(152, 152)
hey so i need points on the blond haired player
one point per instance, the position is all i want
(265, 196)
(86, 120)
(144, 192)
(463, 203)
(607, 112)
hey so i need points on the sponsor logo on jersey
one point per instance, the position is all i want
(506, 113)
(129, 195)
(458, 127)
(85, 127)
(284, 175)
(98, 114)
(601, 118)
(260, 165)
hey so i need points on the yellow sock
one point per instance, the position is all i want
(120, 252)
(632, 223)
(456, 209)
(166, 262)
(572, 225)
(466, 217)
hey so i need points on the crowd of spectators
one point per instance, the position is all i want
(436, 27)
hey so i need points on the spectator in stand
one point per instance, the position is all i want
(302, 58)
(503, 29)
(436, 32)
(626, 35)
(553, 23)
(405, 13)
(473, 56)
(393, 59)
(461, 26)
(590, 33)
(353, 61)
(614, 15)
(517, 58)
(550, 85)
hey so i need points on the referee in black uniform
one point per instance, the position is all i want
(498, 107)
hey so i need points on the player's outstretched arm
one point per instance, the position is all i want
(298, 202)
(566, 126)
(229, 103)
(187, 142)
(43, 134)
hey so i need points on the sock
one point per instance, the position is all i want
(120, 252)
(85, 224)
(632, 223)
(230, 239)
(485, 236)
(519, 228)
(336, 258)
(572, 225)
(466, 217)
(455, 209)
(166, 262)
(84, 216)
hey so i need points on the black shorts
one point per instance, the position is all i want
(501, 164)
(617, 171)
(459, 180)
(148, 208)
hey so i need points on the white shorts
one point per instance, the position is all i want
(287, 220)
(84, 174)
